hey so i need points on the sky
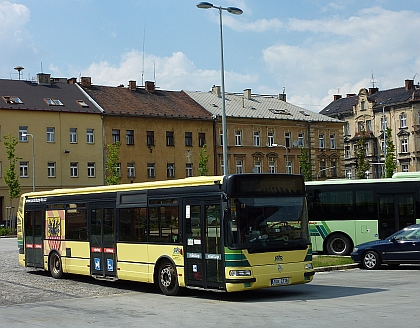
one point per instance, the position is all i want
(309, 49)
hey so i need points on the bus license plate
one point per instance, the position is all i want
(280, 281)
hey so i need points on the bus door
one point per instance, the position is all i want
(204, 260)
(102, 241)
(33, 238)
(395, 212)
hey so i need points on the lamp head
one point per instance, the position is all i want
(205, 5)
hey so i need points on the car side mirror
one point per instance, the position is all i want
(393, 239)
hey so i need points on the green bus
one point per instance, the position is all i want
(344, 213)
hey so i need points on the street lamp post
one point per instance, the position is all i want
(287, 154)
(33, 158)
(235, 11)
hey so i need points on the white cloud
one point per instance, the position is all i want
(261, 25)
(176, 72)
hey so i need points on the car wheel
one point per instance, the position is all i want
(338, 244)
(168, 279)
(56, 269)
(371, 260)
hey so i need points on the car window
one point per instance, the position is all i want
(408, 234)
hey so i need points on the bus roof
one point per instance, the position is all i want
(403, 177)
(192, 181)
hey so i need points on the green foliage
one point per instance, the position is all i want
(203, 161)
(390, 161)
(10, 177)
(5, 231)
(362, 162)
(305, 165)
(111, 165)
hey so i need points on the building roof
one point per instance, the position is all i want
(33, 96)
(139, 102)
(391, 97)
(255, 106)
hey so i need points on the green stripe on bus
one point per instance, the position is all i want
(235, 258)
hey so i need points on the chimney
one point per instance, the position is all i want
(282, 96)
(350, 95)
(247, 93)
(409, 84)
(86, 81)
(43, 79)
(372, 91)
(215, 89)
(132, 85)
(72, 80)
(336, 97)
(150, 86)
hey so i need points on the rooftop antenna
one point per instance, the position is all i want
(373, 80)
(144, 40)
(413, 76)
(19, 69)
(42, 70)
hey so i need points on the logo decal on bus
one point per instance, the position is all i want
(278, 258)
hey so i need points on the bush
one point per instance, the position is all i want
(5, 231)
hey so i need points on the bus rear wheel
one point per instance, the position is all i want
(168, 279)
(56, 269)
(338, 244)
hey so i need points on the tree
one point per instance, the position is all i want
(390, 162)
(362, 162)
(305, 165)
(111, 165)
(203, 161)
(10, 177)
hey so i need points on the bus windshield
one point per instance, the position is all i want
(268, 224)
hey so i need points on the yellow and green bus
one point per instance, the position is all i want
(344, 213)
(220, 233)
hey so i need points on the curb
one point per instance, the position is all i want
(337, 267)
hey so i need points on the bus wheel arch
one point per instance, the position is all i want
(55, 265)
(338, 243)
(166, 276)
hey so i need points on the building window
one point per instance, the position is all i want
(301, 140)
(403, 120)
(239, 166)
(289, 167)
(201, 139)
(12, 100)
(151, 170)
(321, 141)
(272, 165)
(222, 165)
(346, 128)
(404, 167)
(287, 139)
(332, 141)
(257, 139)
(74, 169)
(73, 135)
(118, 169)
(23, 133)
(188, 139)
(53, 102)
(238, 137)
(221, 137)
(404, 146)
(170, 170)
(116, 135)
(257, 166)
(189, 170)
(91, 170)
(368, 125)
(270, 138)
(360, 127)
(348, 173)
(170, 138)
(129, 136)
(362, 105)
(131, 170)
(347, 151)
(90, 136)
(23, 169)
(50, 134)
(51, 169)
(82, 103)
(150, 138)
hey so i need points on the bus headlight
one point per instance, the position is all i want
(239, 273)
(309, 266)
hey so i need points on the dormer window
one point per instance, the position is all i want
(53, 102)
(82, 103)
(12, 100)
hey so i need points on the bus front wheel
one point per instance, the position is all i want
(168, 279)
(56, 269)
(338, 244)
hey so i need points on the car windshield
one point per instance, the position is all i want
(268, 224)
(408, 234)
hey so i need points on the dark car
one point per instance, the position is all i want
(402, 247)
